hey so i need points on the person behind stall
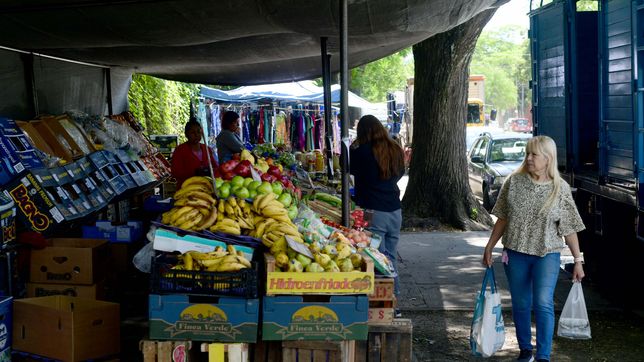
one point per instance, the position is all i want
(228, 141)
(377, 163)
(191, 157)
(535, 210)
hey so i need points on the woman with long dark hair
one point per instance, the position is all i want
(377, 163)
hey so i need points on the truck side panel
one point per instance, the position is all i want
(548, 44)
(617, 121)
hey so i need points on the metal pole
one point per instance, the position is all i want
(344, 108)
(326, 85)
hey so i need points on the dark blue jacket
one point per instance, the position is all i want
(371, 192)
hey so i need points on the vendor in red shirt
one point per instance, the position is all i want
(191, 157)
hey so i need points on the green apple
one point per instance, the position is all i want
(252, 194)
(242, 193)
(277, 188)
(247, 181)
(292, 211)
(237, 181)
(224, 190)
(218, 182)
(285, 199)
(254, 185)
(264, 188)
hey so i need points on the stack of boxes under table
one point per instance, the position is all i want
(314, 316)
(188, 308)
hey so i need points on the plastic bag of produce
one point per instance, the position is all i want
(573, 322)
(381, 262)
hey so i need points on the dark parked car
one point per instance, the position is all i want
(490, 160)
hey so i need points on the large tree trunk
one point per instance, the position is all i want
(438, 181)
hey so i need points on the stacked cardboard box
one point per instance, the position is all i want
(72, 267)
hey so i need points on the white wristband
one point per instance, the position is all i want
(579, 259)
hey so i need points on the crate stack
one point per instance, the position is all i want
(195, 306)
(314, 316)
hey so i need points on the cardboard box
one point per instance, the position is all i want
(107, 171)
(70, 261)
(57, 143)
(121, 169)
(6, 312)
(16, 152)
(137, 169)
(7, 219)
(86, 186)
(288, 318)
(78, 197)
(66, 328)
(97, 179)
(180, 317)
(94, 291)
(34, 137)
(355, 282)
(132, 231)
(38, 208)
(74, 134)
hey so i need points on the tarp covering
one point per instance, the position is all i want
(227, 41)
(305, 91)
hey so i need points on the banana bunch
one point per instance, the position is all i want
(267, 206)
(237, 210)
(194, 207)
(219, 260)
(272, 223)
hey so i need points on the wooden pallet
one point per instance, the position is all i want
(226, 352)
(318, 351)
(382, 302)
(163, 351)
(387, 343)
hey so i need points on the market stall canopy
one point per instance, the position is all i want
(305, 91)
(224, 42)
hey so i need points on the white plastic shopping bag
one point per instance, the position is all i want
(488, 331)
(573, 322)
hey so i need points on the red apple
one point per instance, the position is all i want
(243, 168)
(275, 171)
(228, 166)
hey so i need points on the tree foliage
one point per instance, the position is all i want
(373, 80)
(502, 55)
(162, 106)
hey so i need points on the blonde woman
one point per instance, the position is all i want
(535, 209)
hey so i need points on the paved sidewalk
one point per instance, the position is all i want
(443, 271)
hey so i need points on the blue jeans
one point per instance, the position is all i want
(387, 225)
(532, 281)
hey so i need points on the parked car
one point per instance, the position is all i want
(518, 125)
(491, 159)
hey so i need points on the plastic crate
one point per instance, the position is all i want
(165, 280)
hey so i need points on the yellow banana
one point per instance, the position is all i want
(281, 218)
(191, 201)
(224, 267)
(287, 229)
(231, 249)
(273, 211)
(180, 212)
(185, 217)
(198, 180)
(230, 211)
(222, 206)
(257, 219)
(243, 261)
(204, 196)
(276, 204)
(209, 220)
(265, 201)
(232, 201)
(220, 216)
(189, 224)
(185, 191)
(207, 263)
(187, 261)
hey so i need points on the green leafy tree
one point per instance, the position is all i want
(502, 55)
(162, 106)
(373, 80)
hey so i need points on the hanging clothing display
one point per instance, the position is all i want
(280, 128)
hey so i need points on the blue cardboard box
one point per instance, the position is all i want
(133, 231)
(86, 186)
(291, 318)
(95, 178)
(6, 311)
(212, 319)
(16, 152)
(108, 171)
(121, 169)
(67, 183)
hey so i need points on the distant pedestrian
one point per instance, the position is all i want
(535, 209)
(377, 163)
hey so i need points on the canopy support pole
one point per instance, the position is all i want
(344, 109)
(328, 125)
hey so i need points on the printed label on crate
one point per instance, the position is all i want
(289, 318)
(311, 321)
(232, 320)
(38, 220)
(4, 334)
(311, 283)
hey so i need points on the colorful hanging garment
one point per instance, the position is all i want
(280, 128)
